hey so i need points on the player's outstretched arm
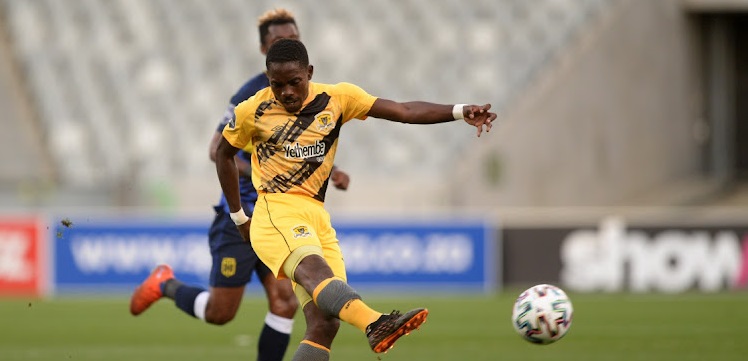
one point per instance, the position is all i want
(430, 113)
(228, 176)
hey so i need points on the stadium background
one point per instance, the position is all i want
(617, 168)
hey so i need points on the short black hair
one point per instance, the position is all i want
(286, 50)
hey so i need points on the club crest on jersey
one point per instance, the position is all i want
(228, 266)
(324, 120)
(301, 231)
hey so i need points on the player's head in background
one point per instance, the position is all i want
(276, 24)
(289, 73)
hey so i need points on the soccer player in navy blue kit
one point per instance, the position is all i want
(234, 260)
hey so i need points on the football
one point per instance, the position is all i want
(542, 314)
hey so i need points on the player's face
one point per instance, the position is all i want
(289, 82)
(277, 32)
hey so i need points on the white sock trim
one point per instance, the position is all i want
(201, 303)
(278, 323)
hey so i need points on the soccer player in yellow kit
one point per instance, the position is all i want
(294, 126)
(234, 260)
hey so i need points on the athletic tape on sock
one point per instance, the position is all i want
(307, 351)
(334, 296)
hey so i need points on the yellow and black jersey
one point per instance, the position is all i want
(294, 153)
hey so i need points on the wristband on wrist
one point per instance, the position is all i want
(239, 217)
(458, 111)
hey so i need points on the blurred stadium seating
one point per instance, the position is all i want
(131, 90)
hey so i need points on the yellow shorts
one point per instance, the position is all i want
(281, 223)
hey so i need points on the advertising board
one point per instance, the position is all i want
(117, 254)
(23, 260)
(615, 256)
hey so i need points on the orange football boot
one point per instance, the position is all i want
(150, 290)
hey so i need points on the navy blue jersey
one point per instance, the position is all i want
(246, 189)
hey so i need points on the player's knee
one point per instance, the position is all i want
(285, 307)
(217, 316)
(281, 298)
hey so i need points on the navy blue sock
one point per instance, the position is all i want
(184, 298)
(272, 344)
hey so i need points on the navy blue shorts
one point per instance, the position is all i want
(234, 260)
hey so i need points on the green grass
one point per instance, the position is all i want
(606, 327)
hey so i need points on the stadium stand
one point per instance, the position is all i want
(32, 164)
(112, 80)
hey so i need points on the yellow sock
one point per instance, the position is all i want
(358, 314)
(355, 311)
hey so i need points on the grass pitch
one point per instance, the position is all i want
(606, 327)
